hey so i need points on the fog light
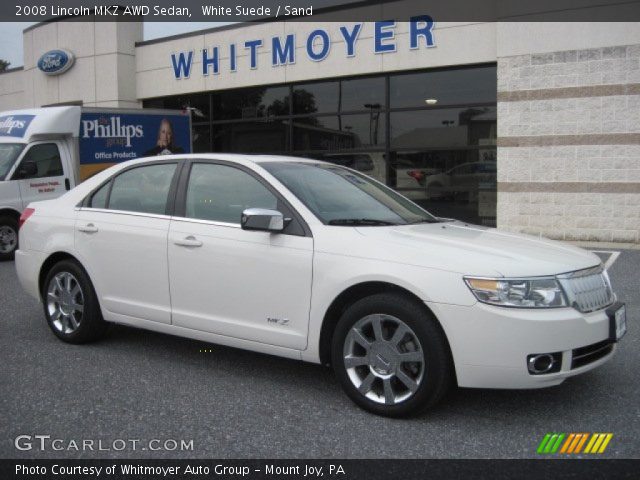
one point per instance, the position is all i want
(542, 363)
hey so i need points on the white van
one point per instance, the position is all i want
(45, 152)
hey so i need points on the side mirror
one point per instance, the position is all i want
(262, 219)
(27, 169)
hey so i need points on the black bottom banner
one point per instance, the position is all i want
(582, 469)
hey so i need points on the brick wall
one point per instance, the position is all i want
(569, 144)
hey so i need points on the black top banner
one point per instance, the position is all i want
(321, 10)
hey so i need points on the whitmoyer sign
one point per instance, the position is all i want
(317, 45)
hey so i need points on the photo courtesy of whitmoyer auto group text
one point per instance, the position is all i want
(319, 239)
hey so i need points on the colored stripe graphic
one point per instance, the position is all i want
(544, 443)
(572, 443)
(550, 443)
(596, 446)
(558, 442)
(582, 440)
(576, 444)
(578, 440)
(568, 442)
(603, 447)
(592, 440)
(598, 442)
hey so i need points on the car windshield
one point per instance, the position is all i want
(8, 154)
(338, 196)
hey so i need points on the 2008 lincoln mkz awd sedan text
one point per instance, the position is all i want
(312, 261)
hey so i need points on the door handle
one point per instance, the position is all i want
(89, 228)
(189, 241)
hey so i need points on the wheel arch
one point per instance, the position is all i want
(51, 261)
(10, 212)
(353, 294)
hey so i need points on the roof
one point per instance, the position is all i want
(38, 122)
(240, 158)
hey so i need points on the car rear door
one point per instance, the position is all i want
(121, 235)
(248, 285)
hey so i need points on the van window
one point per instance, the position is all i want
(46, 156)
(142, 189)
(9, 152)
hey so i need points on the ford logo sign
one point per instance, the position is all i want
(55, 62)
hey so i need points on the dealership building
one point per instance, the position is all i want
(530, 126)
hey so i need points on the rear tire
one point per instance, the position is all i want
(8, 237)
(70, 304)
(391, 356)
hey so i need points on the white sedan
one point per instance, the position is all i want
(316, 262)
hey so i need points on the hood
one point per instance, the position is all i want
(477, 250)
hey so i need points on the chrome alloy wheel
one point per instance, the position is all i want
(8, 239)
(65, 302)
(384, 359)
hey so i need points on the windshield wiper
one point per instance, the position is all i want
(426, 220)
(359, 221)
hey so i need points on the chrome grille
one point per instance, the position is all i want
(589, 354)
(588, 290)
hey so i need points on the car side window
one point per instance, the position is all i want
(46, 158)
(99, 198)
(142, 189)
(220, 193)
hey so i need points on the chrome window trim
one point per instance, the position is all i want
(124, 212)
(206, 222)
(161, 217)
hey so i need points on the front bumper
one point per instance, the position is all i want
(490, 344)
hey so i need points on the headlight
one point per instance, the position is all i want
(523, 293)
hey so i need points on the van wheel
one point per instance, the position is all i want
(391, 356)
(71, 305)
(8, 238)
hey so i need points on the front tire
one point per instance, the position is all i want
(8, 237)
(71, 305)
(391, 356)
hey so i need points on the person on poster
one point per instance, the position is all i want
(164, 144)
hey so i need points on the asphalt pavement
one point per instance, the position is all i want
(139, 385)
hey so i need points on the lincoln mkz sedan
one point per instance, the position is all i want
(317, 262)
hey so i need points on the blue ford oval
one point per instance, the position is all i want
(55, 62)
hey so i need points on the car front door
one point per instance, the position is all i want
(121, 235)
(249, 285)
(46, 178)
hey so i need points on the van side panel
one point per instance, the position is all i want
(107, 137)
(10, 197)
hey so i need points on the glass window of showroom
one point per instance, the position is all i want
(429, 134)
